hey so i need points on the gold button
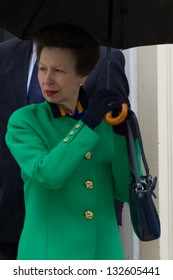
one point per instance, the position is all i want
(77, 125)
(89, 215)
(71, 132)
(65, 139)
(89, 184)
(88, 155)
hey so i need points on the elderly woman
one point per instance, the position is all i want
(73, 165)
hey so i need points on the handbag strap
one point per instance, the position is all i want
(133, 133)
(132, 154)
(135, 124)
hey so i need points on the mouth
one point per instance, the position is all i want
(50, 93)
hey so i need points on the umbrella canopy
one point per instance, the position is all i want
(121, 23)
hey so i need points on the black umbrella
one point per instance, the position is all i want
(114, 23)
(124, 23)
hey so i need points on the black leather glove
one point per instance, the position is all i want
(100, 104)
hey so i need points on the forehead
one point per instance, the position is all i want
(54, 54)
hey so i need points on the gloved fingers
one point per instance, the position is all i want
(106, 92)
(113, 103)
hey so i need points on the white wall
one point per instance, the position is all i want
(148, 119)
(150, 71)
(165, 147)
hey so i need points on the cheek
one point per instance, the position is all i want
(75, 81)
(64, 83)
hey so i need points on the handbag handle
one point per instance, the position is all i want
(130, 137)
(119, 119)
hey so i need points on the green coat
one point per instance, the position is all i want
(68, 169)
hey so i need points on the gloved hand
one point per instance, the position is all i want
(100, 104)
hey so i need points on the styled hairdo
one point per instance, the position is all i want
(83, 46)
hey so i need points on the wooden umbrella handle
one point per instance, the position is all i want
(119, 119)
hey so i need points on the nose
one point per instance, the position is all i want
(48, 78)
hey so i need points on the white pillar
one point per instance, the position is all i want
(165, 148)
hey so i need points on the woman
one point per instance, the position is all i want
(70, 159)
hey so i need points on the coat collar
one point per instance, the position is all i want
(82, 105)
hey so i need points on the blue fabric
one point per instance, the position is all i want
(35, 93)
(78, 115)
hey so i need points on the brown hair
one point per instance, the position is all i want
(84, 48)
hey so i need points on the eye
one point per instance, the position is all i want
(42, 68)
(59, 71)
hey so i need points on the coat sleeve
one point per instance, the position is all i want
(49, 168)
(97, 79)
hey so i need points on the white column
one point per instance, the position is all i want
(155, 110)
(165, 148)
(150, 74)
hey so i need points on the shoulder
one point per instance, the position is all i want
(103, 50)
(117, 55)
(114, 52)
(28, 113)
(11, 46)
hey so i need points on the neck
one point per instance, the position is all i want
(69, 110)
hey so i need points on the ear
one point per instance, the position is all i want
(82, 80)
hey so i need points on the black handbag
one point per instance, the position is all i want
(143, 213)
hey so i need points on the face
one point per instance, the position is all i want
(58, 79)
